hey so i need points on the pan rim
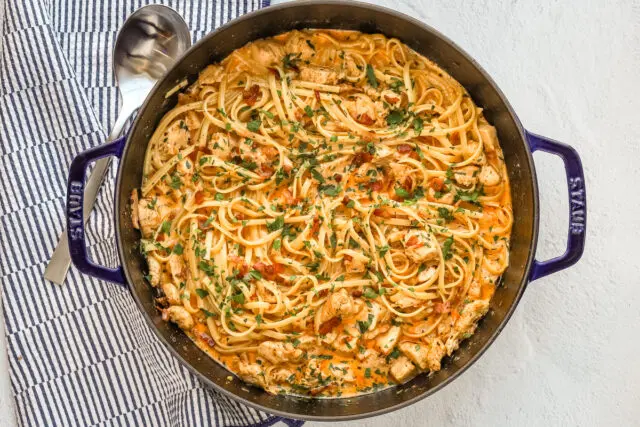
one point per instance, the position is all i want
(532, 246)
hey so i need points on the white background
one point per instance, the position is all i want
(571, 353)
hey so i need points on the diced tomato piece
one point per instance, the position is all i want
(383, 213)
(442, 307)
(275, 73)
(404, 148)
(413, 241)
(361, 158)
(376, 186)
(408, 183)
(317, 94)
(365, 120)
(327, 326)
(288, 197)
(266, 171)
(437, 183)
(269, 271)
(239, 265)
(316, 225)
(391, 99)
(199, 197)
(250, 96)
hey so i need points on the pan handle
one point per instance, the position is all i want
(75, 212)
(577, 206)
(292, 423)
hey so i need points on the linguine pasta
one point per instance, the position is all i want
(325, 213)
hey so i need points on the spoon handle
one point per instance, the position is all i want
(56, 270)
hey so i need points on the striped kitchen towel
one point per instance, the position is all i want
(81, 354)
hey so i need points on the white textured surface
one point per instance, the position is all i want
(569, 355)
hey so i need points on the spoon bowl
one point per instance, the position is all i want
(150, 41)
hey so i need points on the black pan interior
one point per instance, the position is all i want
(369, 19)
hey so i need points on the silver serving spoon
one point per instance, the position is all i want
(148, 44)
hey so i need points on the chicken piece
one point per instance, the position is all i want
(427, 274)
(417, 352)
(475, 289)
(342, 373)
(489, 176)
(338, 304)
(211, 75)
(356, 264)
(439, 196)
(466, 176)
(221, 145)
(403, 300)
(328, 337)
(252, 373)
(178, 315)
(435, 354)
(388, 340)
(402, 369)
(280, 375)
(489, 137)
(297, 44)
(366, 112)
(134, 208)
(185, 168)
(265, 54)
(175, 138)
(279, 352)
(151, 213)
(171, 293)
(177, 268)
(469, 315)
(347, 342)
(322, 75)
(193, 122)
(376, 311)
(155, 271)
(419, 246)
(365, 173)
(287, 164)
(400, 171)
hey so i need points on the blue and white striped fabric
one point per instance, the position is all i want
(80, 354)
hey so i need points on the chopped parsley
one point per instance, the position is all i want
(370, 293)
(371, 76)
(318, 176)
(291, 61)
(308, 111)
(395, 117)
(364, 326)
(383, 250)
(276, 224)
(401, 192)
(445, 214)
(239, 298)
(254, 125)
(202, 293)
(276, 244)
(166, 227)
(418, 125)
(447, 252)
(255, 274)
(330, 190)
